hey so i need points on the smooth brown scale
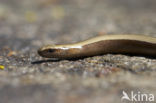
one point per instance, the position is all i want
(131, 47)
(91, 48)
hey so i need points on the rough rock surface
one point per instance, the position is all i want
(25, 25)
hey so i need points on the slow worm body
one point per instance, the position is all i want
(113, 44)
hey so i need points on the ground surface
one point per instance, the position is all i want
(25, 25)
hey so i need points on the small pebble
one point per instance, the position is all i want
(1, 67)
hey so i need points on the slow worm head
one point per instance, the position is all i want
(118, 44)
(59, 51)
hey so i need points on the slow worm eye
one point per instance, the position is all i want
(50, 50)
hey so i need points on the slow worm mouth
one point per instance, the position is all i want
(46, 52)
(40, 52)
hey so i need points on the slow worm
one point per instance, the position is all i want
(113, 44)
